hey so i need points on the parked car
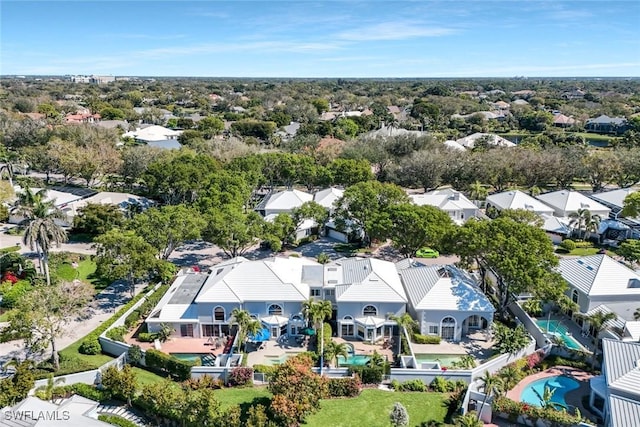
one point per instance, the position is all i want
(427, 253)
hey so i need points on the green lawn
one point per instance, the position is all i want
(146, 377)
(369, 409)
(14, 248)
(372, 409)
(84, 272)
(584, 251)
(94, 359)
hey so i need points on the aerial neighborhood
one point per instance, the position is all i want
(253, 252)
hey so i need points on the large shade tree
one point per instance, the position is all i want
(233, 230)
(414, 227)
(42, 316)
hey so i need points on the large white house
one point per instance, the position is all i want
(282, 202)
(363, 292)
(566, 202)
(445, 300)
(453, 202)
(614, 199)
(516, 199)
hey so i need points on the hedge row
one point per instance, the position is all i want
(513, 410)
(165, 364)
(345, 387)
(116, 420)
(91, 344)
(145, 308)
(368, 374)
(426, 339)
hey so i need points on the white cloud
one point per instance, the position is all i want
(399, 30)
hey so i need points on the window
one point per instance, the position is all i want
(473, 321)
(275, 310)
(207, 330)
(186, 330)
(433, 330)
(347, 330)
(370, 311)
(574, 296)
(448, 330)
(329, 293)
(348, 318)
(218, 314)
(315, 292)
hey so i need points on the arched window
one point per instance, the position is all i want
(347, 318)
(296, 317)
(218, 314)
(275, 310)
(574, 296)
(370, 311)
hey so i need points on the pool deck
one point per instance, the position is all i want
(573, 397)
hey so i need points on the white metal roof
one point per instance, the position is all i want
(614, 197)
(632, 330)
(327, 196)
(443, 288)
(454, 145)
(493, 139)
(153, 133)
(600, 275)
(554, 224)
(623, 412)
(286, 200)
(448, 200)
(622, 366)
(571, 201)
(617, 323)
(366, 280)
(516, 199)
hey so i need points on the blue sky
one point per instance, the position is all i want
(322, 38)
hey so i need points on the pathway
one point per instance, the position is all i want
(124, 412)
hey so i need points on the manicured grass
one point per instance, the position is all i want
(584, 251)
(85, 270)
(242, 396)
(369, 409)
(14, 248)
(146, 377)
(94, 359)
(372, 409)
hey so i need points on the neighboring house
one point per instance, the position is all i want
(574, 94)
(282, 202)
(520, 102)
(492, 139)
(75, 411)
(166, 144)
(60, 199)
(453, 202)
(366, 290)
(560, 120)
(124, 201)
(153, 133)
(526, 93)
(556, 228)
(445, 300)
(327, 197)
(565, 202)
(598, 280)
(362, 291)
(487, 115)
(454, 146)
(82, 118)
(289, 131)
(516, 199)
(392, 131)
(618, 388)
(614, 200)
(113, 124)
(606, 124)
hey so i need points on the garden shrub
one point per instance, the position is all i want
(68, 365)
(91, 392)
(440, 385)
(515, 409)
(146, 337)
(345, 387)
(132, 318)
(117, 333)
(568, 245)
(204, 382)
(90, 345)
(413, 385)
(163, 363)
(12, 291)
(368, 374)
(116, 420)
(426, 339)
(533, 307)
(241, 377)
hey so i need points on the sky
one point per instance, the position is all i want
(315, 39)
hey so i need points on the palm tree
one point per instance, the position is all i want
(333, 351)
(546, 396)
(510, 376)
(317, 312)
(244, 321)
(41, 230)
(253, 328)
(469, 419)
(492, 386)
(405, 323)
(598, 323)
(477, 191)
(582, 220)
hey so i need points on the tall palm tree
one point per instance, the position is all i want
(41, 230)
(491, 386)
(598, 323)
(477, 191)
(245, 323)
(510, 376)
(404, 322)
(333, 351)
(584, 222)
(317, 312)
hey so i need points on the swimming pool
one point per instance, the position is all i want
(561, 383)
(444, 359)
(557, 328)
(204, 359)
(354, 359)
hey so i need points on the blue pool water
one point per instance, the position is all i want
(205, 359)
(561, 383)
(557, 328)
(356, 359)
